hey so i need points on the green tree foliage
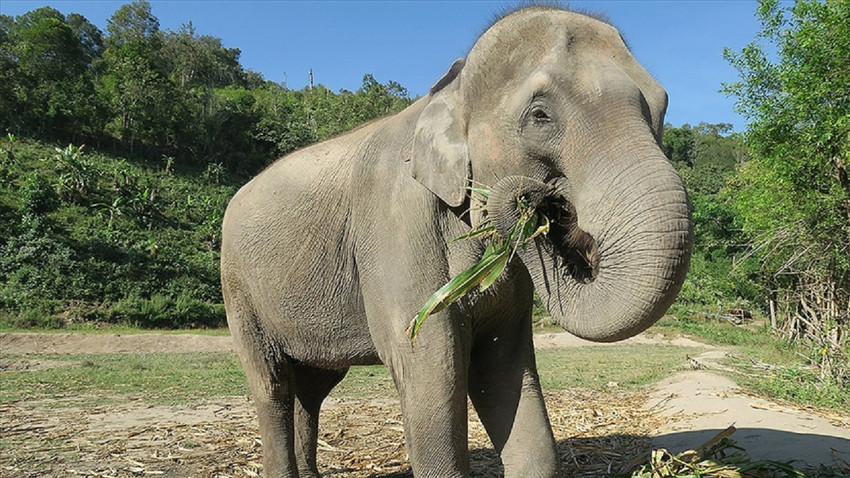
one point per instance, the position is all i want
(793, 197)
(331, 114)
(49, 87)
(706, 157)
(176, 94)
(198, 61)
(9, 103)
(134, 23)
(91, 237)
(91, 38)
(136, 79)
(679, 145)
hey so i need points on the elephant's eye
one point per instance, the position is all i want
(539, 114)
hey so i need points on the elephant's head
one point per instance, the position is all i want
(550, 108)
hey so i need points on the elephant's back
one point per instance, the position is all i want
(298, 199)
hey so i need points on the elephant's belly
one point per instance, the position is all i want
(325, 332)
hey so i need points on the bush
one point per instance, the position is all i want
(38, 196)
(162, 311)
(142, 251)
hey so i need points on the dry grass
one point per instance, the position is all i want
(597, 433)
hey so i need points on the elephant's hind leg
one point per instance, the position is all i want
(312, 386)
(271, 376)
(272, 386)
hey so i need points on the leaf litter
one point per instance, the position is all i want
(358, 438)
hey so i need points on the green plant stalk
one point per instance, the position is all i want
(485, 272)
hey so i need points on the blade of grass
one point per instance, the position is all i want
(481, 191)
(494, 272)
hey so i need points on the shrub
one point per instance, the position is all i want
(37, 195)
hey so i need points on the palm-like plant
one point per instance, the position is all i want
(77, 173)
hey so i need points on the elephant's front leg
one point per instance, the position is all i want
(431, 379)
(402, 258)
(505, 389)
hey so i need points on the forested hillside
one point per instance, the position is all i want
(126, 229)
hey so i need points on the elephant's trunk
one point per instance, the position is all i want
(617, 252)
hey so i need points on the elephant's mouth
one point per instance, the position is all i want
(574, 250)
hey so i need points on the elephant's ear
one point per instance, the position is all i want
(440, 155)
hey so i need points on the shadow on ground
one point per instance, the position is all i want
(589, 457)
(767, 444)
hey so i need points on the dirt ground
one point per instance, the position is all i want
(598, 433)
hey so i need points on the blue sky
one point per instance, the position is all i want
(679, 42)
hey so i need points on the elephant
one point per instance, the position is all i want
(329, 253)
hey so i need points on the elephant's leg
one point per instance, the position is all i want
(431, 378)
(272, 387)
(271, 378)
(505, 390)
(431, 386)
(312, 386)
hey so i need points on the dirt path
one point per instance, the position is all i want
(63, 343)
(69, 343)
(362, 437)
(701, 404)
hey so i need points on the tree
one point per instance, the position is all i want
(90, 37)
(679, 144)
(793, 196)
(200, 60)
(706, 156)
(49, 66)
(285, 122)
(135, 82)
(134, 23)
(10, 105)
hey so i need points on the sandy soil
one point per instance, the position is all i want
(37, 343)
(362, 437)
(702, 404)
(64, 343)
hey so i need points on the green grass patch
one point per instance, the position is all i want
(366, 382)
(600, 367)
(715, 332)
(158, 378)
(104, 329)
(168, 378)
(792, 383)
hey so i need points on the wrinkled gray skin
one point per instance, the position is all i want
(329, 253)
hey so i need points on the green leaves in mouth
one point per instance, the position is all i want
(500, 250)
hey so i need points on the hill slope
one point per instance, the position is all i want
(93, 237)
